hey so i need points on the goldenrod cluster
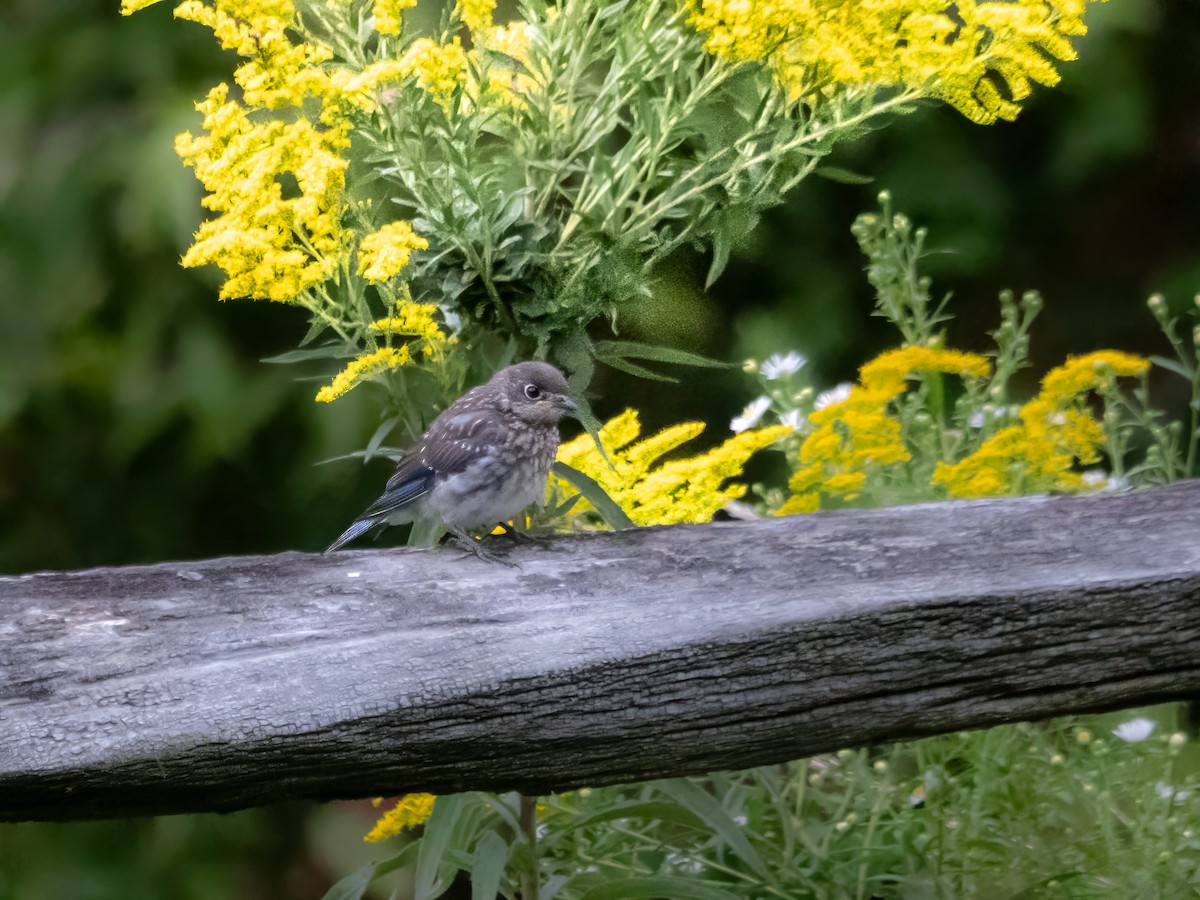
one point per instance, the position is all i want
(416, 323)
(653, 492)
(277, 183)
(270, 246)
(410, 811)
(387, 14)
(1057, 432)
(366, 366)
(862, 440)
(385, 252)
(861, 435)
(981, 58)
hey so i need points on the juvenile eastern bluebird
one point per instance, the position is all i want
(482, 461)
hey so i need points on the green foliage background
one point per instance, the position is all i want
(137, 423)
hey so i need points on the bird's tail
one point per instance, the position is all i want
(357, 528)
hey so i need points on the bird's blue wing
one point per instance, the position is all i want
(405, 487)
(410, 483)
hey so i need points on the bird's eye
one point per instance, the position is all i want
(533, 392)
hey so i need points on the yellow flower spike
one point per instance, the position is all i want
(477, 14)
(387, 14)
(681, 490)
(950, 52)
(359, 370)
(414, 319)
(1054, 436)
(858, 435)
(1089, 372)
(439, 68)
(129, 7)
(385, 252)
(410, 811)
(889, 371)
(641, 456)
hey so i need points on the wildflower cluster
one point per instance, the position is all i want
(926, 422)
(525, 177)
(961, 52)
(410, 810)
(656, 492)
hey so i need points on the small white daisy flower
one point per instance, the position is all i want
(750, 415)
(793, 419)
(977, 420)
(832, 396)
(781, 365)
(1168, 792)
(1135, 730)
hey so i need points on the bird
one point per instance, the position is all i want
(482, 460)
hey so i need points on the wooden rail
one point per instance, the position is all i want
(604, 658)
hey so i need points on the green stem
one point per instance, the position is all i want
(530, 882)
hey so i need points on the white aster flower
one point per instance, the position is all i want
(750, 415)
(793, 419)
(1168, 792)
(1135, 730)
(832, 396)
(781, 365)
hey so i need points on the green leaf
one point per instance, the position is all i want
(487, 866)
(354, 885)
(441, 831)
(633, 350)
(657, 887)
(328, 351)
(384, 429)
(1171, 366)
(842, 176)
(637, 371)
(595, 495)
(708, 808)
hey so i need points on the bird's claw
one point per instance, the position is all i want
(471, 545)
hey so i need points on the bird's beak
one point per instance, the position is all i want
(565, 403)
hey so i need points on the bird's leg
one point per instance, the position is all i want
(469, 543)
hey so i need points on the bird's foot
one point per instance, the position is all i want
(470, 544)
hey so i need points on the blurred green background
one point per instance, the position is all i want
(137, 423)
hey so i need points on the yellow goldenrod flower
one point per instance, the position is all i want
(1056, 434)
(270, 247)
(250, 27)
(476, 14)
(387, 14)
(855, 434)
(129, 7)
(653, 492)
(385, 252)
(889, 371)
(347, 87)
(954, 52)
(439, 68)
(284, 77)
(512, 39)
(410, 811)
(414, 319)
(383, 360)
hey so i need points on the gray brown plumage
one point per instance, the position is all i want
(482, 461)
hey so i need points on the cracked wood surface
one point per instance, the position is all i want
(605, 658)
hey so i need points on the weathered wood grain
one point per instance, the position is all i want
(605, 658)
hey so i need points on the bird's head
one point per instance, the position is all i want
(535, 391)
